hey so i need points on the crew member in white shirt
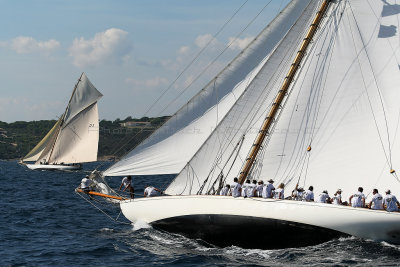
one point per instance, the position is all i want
(297, 193)
(377, 201)
(309, 194)
(226, 191)
(259, 188)
(251, 189)
(323, 197)
(358, 199)
(236, 188)
(279, 193)
(337, 197)
(245, 186)
(151, 191)
(268, 188)
(390, 202)
(86, 183)
(128, 185)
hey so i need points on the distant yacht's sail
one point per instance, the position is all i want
(75, 137)
(170, 148)
(35, 153)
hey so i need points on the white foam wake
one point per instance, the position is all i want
(140, 225)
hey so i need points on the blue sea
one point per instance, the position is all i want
(44, 222)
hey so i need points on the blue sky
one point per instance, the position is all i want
(131, 51)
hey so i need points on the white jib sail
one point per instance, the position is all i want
(220, 154)
(169, 149)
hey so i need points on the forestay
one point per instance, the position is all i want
(170, 148)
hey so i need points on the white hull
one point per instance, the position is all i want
(278, 215)
(55, 167)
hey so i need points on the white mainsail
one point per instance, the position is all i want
(170, 148)
(343, 103)
(75, 137)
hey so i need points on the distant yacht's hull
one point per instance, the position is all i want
(261, 223)
(55, 167)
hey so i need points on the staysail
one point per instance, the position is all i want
(75, 136)
(170, 148)
(35, 153)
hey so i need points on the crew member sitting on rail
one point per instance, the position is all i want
(309, 194)
(127, 184)
(86, 183)
(268, 189)
(151, 191)
(323, 197)
(358, 199)
(297, 193)
(236, 188)
(251, 189)
(259, 188)
(244, 188)
(377, 201)
(337, 197)
(390, 202)
(226, 191)
(279, 193)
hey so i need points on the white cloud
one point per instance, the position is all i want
(184, 50)
(26, 45)
(151, 83)
(202, 40)
(240, 43)
(111, 46)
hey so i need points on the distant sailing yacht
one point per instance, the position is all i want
(314, 99)
(75, 136)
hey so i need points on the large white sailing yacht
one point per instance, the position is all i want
(314, 100)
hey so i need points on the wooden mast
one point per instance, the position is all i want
(282, 93)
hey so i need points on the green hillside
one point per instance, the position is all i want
(18, 138)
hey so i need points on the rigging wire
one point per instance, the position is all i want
(226, 48)
(388, 157)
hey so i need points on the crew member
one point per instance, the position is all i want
(86, 183)
(377, 201)
(127, 184)
(358, 199)
(236, 188)
(268, 189)
(337, 197)
(225, 191)
(279, 193)
(309, 194)
(151, 191)
(323, 197)
(390, 202)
